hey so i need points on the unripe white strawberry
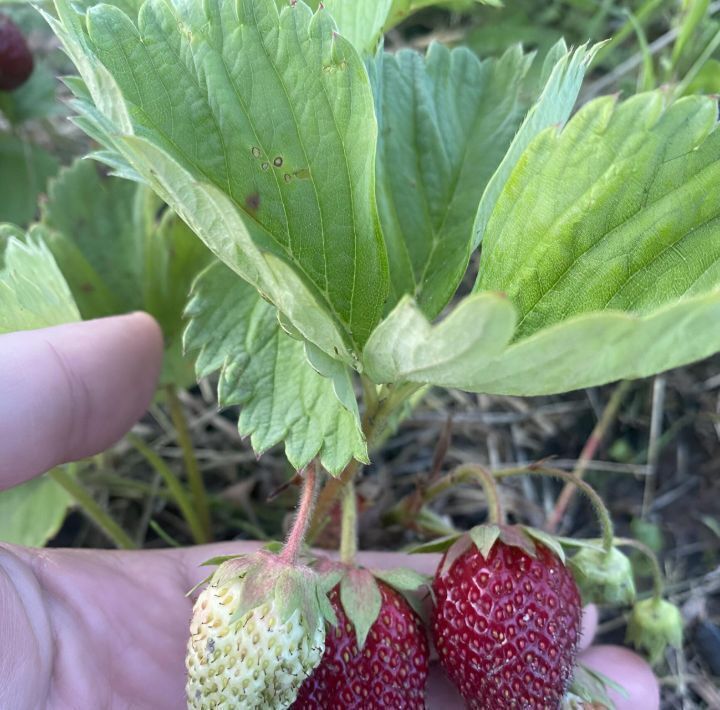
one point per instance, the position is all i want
(258, 631)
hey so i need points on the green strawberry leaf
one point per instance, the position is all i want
(121, 251)
(563, 73)
(614, 276)
(635, 225)
(360, 21)
(24, 172)
(267, 372)
(446, 121)
(292, 163)
(33, 292)
(31, 514)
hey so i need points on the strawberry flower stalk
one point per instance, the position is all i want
(258, 629)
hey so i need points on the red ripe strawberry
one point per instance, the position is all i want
(506, 623)
(16, 61)
(389, 671)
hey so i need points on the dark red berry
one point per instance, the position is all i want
(16, 60)
(506, 628)
(390, 671)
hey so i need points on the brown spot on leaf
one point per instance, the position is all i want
(87, 288)
(252, 201)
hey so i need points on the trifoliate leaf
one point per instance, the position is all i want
(266, 371)
(33, 292)
(269, 113)
(606, 239)
(446, 121)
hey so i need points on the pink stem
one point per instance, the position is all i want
(295, 540)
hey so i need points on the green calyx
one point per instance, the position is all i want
(654, 625)
(484, 537)
(361, 597)
(604, 577)
(290, 587)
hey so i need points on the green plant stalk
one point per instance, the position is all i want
(296, 538)
(470, 473)
(195, 478)
(175, 487)
(644, 13)
(378, 412)
(608, 534)
(694, 70)
(588, 452)
(92, 510)
(657, 575)
(349, 531)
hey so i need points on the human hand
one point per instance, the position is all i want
(96, 629)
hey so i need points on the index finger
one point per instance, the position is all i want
(73, 390)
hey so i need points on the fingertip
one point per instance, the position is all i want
(73, 390)
(630, 672)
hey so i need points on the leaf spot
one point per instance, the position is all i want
(287, 177)
(256, 152)
(278, 161)
(266, 166)
(252, 201)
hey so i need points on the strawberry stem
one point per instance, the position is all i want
(296, 537)
(471, 473)
(657, 575)
(349, 534)
(379, 409)
(608, 535)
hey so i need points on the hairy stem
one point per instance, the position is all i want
(92, 510)
(470, 473)
(349, 533)
(587, 453)
(299, 529)
(174, 486)
(595, 500)
(194, 475)
(657, 575)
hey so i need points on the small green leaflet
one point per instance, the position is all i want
(123, 251)
(613, 275)
(32, 513)
(266, 371)
(33, 292)
(446, 120)
(294, 161)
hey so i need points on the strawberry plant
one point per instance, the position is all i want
(381, 224)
